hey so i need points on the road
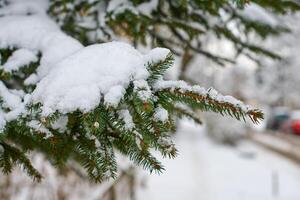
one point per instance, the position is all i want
(208, 171)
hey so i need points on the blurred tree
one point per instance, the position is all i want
(280, 79)
(181, 26)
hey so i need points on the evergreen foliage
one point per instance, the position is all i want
(92, 138)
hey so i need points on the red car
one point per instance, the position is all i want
(293, 124)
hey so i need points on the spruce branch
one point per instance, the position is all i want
(157, 70)
(207, 101)
(13, 156)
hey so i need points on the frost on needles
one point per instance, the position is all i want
(86, 103)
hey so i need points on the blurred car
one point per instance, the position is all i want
(278, 117)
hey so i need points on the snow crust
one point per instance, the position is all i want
(60, 124)
(37, 33)
(36, 125)
(82, 79)
(144, 91)
(119, 6)
(257, 13)
(114, 95)
(20, 58)
(12, 101)
(127, 118)
(161, 114)
(157, 54)
(147, 7)
(21, 7)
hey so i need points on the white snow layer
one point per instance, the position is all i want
(119, 6)
(127, 118)
(37, 33)
(20, 58)
(157, 54)
(12, 100)
(161, 114)
(37, 126)
(80, 80)
(144, 91)
(21, 7)
(257, 13)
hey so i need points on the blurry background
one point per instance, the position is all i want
(222, 160)
(230, 160)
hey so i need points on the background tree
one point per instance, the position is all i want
(181, 26)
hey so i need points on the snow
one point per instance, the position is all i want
(60, 124)
(143, 90)
(257, 13)
(146, 8)
(114, 95)
(160, 85)
(10, 100)
(206, 170)
(114, 4)
(18, 110)
(119, 6)
(157, 54)
(127, 118)
(13, 102)
(161, 114)
(79, 81)
(31, 80)
(2, 120)
(37, 126)
(37, 33)
(20, 58)
(21, 7)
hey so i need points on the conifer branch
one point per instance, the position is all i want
(206, 101)
(157, 70)
(13, 156)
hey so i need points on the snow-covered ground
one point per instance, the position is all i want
(208, 171)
